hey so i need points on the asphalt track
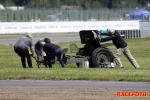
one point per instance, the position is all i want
(75, 84)
(56, 39)
(53, 39)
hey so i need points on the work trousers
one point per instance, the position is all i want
(127, 53)
(24, 53)
(56, 53)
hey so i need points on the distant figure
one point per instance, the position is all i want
(21, 48)
(116, 18)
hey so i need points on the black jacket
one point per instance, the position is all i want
(49, 48)
(117, 40)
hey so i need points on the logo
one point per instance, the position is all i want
(132, 94)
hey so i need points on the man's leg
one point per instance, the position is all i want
(38, 53)
(116, 57)
(29, 61)
(130, 58)
(45, 62)
(23, 60)
(49, 57)
(20, 53)
(28, 56)
(58, 54)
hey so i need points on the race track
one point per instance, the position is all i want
(75, 84)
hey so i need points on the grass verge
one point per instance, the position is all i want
(11, 68)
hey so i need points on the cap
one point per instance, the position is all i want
(29, 35)
(110, 30)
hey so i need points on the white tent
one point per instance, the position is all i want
(2, 7)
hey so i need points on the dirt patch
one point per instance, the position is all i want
(48, 93)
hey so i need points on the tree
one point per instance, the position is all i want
(82, 3)
(96, 4)
(20, 2)
(14, 17)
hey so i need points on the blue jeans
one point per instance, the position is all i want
(38, 52)
(56, 53)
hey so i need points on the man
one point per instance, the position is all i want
(21, 48)
(39, 50)
(122, 47)
(51, 51)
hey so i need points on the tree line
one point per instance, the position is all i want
(85, 4)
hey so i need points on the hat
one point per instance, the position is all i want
(110, 30)
(29, 35)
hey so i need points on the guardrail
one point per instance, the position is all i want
(130, 33)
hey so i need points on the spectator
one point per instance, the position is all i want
(21, 48)
(51, 51)
(122, 47)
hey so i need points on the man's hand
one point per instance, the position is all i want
(33, 56)
(98, 38)
(99, 33)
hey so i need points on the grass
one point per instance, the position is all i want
(11, 68)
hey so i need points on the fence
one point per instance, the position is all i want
(54, 14)
(131, 33)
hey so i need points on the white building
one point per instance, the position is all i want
(15, 8)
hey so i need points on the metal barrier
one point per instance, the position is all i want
(57, 14)
(130, 33)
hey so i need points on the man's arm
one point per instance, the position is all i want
(52, 42)
(102, 33)
(41, 51)
(32, 51)
(107, 38)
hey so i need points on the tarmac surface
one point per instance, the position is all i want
(75, 84)
(57, 38)
(53, 39)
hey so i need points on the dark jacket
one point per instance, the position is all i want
(49, 48)
(117, 40)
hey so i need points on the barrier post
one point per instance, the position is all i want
(139, 34)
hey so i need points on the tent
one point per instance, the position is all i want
(2, 7)
(140, 14)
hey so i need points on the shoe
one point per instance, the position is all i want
(122, 67)
(138, 68)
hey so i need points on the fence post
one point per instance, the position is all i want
(139, 34)
(134, 34)
(131, 33)
(124, 32)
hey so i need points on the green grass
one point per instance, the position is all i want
(11, 68)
